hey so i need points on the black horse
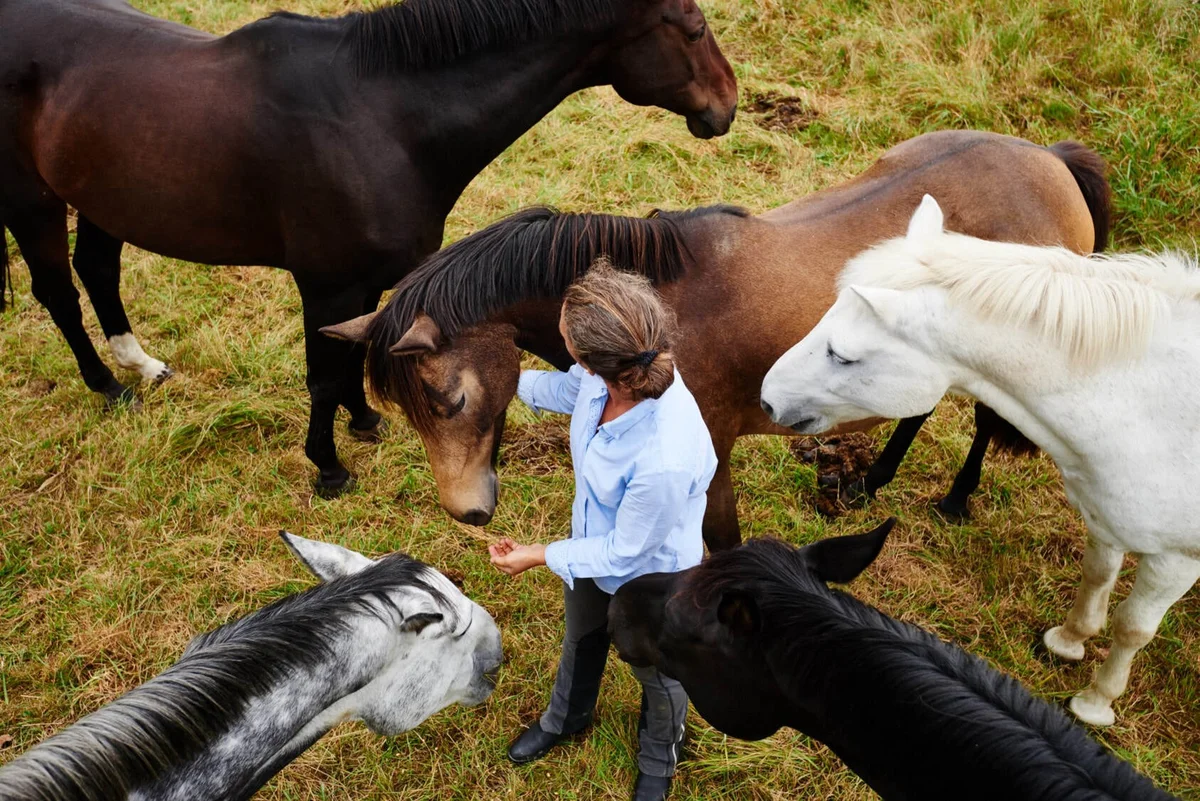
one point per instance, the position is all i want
(333, 148)
(759, 642)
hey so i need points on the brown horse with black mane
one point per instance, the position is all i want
(745, 289)
(333, 148)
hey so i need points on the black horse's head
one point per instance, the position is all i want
(716, 627)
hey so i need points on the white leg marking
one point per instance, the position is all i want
(1162, 579)
(129, 355)
(1100, 567)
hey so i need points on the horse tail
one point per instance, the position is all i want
(5, 277)
(1090, 172)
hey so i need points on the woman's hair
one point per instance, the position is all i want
(620, 329)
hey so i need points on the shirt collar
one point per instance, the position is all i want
(631, 418)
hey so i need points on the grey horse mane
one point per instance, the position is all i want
(172, 718)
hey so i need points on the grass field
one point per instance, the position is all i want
(123, 534)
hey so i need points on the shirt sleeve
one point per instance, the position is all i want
(550, 390)
(649, 509)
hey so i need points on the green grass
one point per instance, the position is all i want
(123, 534)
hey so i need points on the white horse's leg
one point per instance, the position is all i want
(1101, 564)
(1162, 579)
(129, 354)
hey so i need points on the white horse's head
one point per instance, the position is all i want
(861, 360)
(439, 647)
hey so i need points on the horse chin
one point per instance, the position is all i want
(807, 425)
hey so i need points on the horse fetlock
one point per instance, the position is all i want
(130, 356)
(1060, 643)
(1092, 707)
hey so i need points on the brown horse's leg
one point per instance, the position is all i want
(883, 469)
(327, 359)
(42, 237)
(721, 530)
(365, 423)
(955, 505)
(98, 264)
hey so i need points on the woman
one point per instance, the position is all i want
(643, 460)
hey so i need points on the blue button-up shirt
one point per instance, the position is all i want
(640, 480)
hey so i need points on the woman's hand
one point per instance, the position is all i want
(513, 559)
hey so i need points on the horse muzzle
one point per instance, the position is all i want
(709, 123)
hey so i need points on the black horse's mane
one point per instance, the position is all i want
(418, 34)
(170, 719)
(533, 254)
(940, 691)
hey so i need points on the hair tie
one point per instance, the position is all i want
(647, 357)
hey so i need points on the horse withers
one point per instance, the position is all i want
(388, 642)
(1097, 360)
(332, 148)
(760, 643)
(744, 288)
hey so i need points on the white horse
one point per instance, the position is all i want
(1095, 359)
(388, 642)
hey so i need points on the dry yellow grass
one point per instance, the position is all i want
(122, 535)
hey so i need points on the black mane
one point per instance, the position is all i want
(816, 637)
(533, 254)
(170, 719)
(418, 34)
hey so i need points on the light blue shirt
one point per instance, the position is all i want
(640, 480)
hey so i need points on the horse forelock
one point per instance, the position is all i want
(1095, 308)
(417, 34)
(813, 634)
(533, 254)
(170, 720)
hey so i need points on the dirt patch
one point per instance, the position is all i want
(39, 387)
(780, 113)
(541, 448)
(839, 461)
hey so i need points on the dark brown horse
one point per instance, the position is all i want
(745, 289)
(333, 148)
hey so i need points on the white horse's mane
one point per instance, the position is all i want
(1096, 308)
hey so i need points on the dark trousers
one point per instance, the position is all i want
(577, 683)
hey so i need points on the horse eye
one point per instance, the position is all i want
(699, 34)
(836, 358)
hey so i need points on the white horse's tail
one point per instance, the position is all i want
(1090, 173)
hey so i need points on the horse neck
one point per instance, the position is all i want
(1025, 380)
(461, 116)
(536, 322)
(276, 726)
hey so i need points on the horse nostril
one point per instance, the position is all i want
(766, 407)
(477, 517)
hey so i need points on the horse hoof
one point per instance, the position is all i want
(953, 511)
(1061, 647)
(122, 397)
(163, 375)
(330, 488)
(374, 433)
(1091, 709)
(856, 495)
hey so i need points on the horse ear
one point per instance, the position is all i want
(927, 221)
(841, 559)
(738, 612)
(325, 560)
(417, 623)
(885, 303)
(352, 330)
(423, 336)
